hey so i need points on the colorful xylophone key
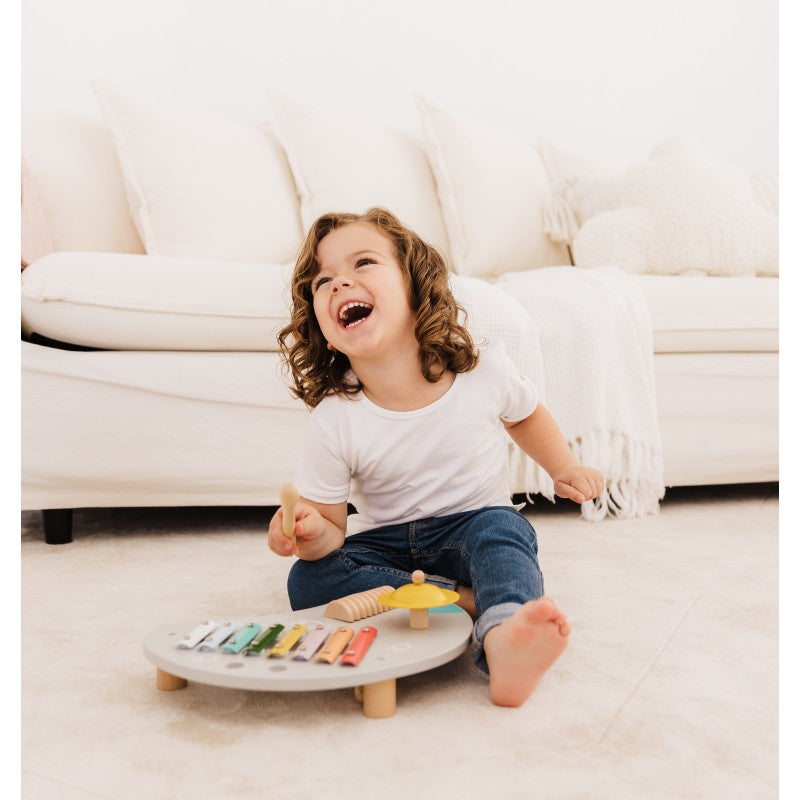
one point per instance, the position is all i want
(288, 641)
(242, 638)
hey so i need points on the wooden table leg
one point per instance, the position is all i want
(380, 699)
(169, 683)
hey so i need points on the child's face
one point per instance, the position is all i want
(360, 295)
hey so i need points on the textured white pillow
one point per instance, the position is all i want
(201, 185)
(345, 163)
(677, 213)
(493, 189)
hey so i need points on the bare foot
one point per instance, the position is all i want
(522, 648)
(467, 600)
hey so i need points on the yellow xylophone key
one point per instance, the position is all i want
(288, 641)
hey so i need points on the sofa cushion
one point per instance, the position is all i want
(698, 313)
(347, 163)
(494, 189)
(708, 314)
(201, 185)
(134, 302)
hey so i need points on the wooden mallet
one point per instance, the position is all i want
(289, 497)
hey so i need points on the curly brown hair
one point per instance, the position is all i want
(444, 343)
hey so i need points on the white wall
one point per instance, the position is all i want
(612, 75)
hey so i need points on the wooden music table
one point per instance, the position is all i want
(398, 650)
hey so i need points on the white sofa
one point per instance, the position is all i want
(150, 375)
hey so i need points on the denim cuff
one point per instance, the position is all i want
(491, 617)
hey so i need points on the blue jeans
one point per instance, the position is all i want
(492, 550)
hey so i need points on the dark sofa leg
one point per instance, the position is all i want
(57, 525)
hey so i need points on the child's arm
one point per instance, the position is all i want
(319, 528)
(541, 438)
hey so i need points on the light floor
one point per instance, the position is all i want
(667, 690)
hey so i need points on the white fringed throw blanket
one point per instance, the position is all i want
(585, 339)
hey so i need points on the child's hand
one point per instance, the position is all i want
(309, 525)
(578, 483)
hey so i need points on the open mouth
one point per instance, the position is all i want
(352, 314)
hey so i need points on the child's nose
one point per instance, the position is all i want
(340, 282)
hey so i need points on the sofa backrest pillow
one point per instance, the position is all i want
(493, 188)
(72, 161)
(200, 184)
(346, 162)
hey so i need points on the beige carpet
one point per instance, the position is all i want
(667, 690)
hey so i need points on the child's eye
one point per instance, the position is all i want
(362, 261)
(318, 282)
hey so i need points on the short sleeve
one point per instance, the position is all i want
(323, 475)
(519, 395)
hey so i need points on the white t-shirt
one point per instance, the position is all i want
(399, 466)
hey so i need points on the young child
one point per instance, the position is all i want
(409, 424)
